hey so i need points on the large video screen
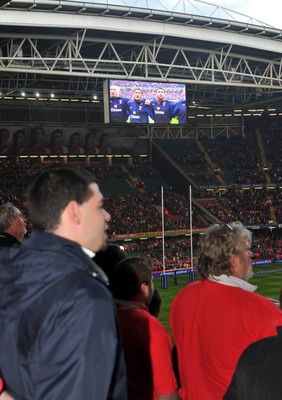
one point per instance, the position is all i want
(142, 102)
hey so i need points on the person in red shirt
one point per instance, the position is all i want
(147, 344)
(214, 320)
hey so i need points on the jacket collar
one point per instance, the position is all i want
(46, 241)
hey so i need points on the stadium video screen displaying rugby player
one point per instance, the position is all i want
(141, 102)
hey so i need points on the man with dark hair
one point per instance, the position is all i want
(139, 110)
(215, 319)
(12, 225)
(155, 304)
(162, 107)
(59, 336)
(109, 257)
(147, 344)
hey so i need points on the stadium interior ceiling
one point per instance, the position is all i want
(56, 54)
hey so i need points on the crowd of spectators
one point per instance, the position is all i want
(234, 153)
(237, 159)
(141, 211)
(14, 178)
(267, 245)
(193, 158)
(110, 172)
(252, 206)
(177, 251)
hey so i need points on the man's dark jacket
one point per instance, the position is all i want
(258, 373)
(59, 338)
(7, 240)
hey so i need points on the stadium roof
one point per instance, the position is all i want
(228, 60)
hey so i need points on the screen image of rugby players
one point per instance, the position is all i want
(162, 107)
(139, 110)
(117, 105)
(180, 109)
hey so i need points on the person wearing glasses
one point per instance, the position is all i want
(215, 319)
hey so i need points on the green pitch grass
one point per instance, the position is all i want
(269, 284)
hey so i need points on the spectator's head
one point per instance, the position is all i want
(108, 258)
(155, 304)
(66, 201)
(160, 94)
(225, 249)
(12, 221)
(114, 91)
(132, 280)
(4, 135)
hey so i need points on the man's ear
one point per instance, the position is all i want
(235, 264)
(143, 287)
(72, 212)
